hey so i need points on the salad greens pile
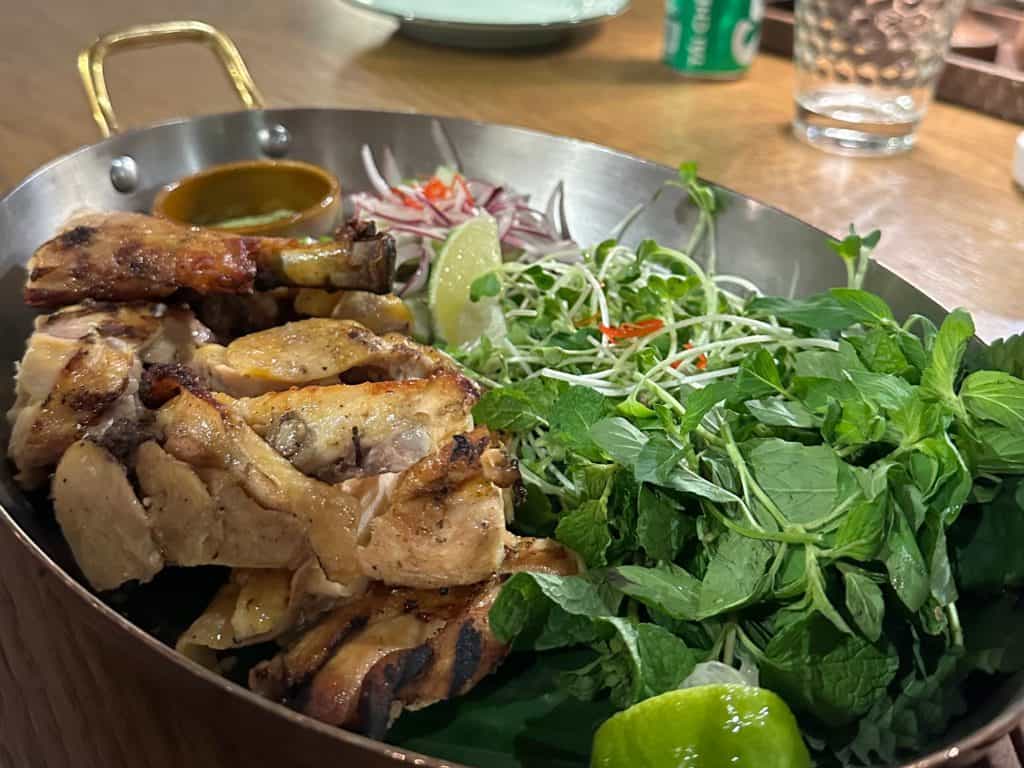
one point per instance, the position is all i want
(808, 487)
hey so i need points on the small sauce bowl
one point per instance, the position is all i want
(255, 197)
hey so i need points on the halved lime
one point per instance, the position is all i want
(710, 726)
(471, 250)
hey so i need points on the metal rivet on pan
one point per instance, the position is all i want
(124, 173)
(275, 140)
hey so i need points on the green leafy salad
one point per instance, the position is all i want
(812, 491)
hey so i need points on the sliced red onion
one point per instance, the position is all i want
(389, 168)
(419, 277)
(442, 217)
(376, 180)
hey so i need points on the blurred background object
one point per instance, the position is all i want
(974, 76)
(866, 70)
(712, 39)
(490, 24)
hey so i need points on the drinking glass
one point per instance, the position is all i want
(866, 70)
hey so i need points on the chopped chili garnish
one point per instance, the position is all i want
(435, 190)
(407, 201)
(632, 330)
(585, 321)
(701, 363)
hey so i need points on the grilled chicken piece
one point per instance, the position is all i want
(397, 648)
(346, 430)
(158, 333)
(128, 256)
(381, 313)
(207, 517)
(64, 388)
(206, 435)
(80, 376)
(184, 519)
(230, 315)
(257, 605)
(443, 524)
(314, 351)
(107, 528)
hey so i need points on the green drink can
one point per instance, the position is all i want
(714, 39)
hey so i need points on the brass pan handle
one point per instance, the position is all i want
(91, 59)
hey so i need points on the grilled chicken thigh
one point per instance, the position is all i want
(398, 648)
(314, 351)
(129, 256)
(206, 435)
(257, 605)
(206, 517)
(443, 523)
(346, 430)
(102, 519)
(80, 376)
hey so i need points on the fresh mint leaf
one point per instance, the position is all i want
(1005, 355)
(828, 364)
(917, 419)
(572, 416)
(881, 351)
(661, 527)
(514, 409)
(908, 573)
(887, 391)
(619, 439)
(920, 711)
(665, 660)
(779, 412)
(666, 588)
(866, 307)
(820, 311)
(997, 449)
(660, 463)
(700, 401)
(486, 285)
(936, 553)
(802, 480)
(544, 611)
(995, 396)
(735, 575)
(758, 376)
(865, 603)
(939, 378)
(862, 530)
(826, 674)
(585, 531)
(853, 423)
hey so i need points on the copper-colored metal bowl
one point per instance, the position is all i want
(304, 196)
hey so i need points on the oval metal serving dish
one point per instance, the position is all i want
(778, 252)
(773, 249)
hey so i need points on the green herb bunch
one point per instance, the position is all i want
(809, 486)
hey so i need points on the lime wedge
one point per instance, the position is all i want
(710, 726)
(471, 250)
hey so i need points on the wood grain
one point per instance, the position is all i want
(953, 223)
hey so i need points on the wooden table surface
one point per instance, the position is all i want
(952, 222)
